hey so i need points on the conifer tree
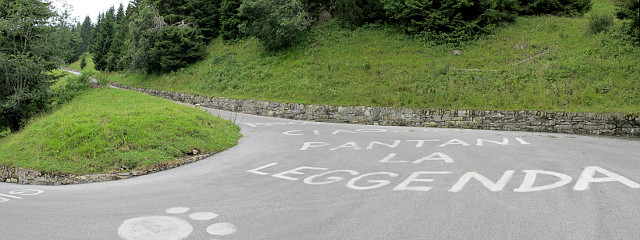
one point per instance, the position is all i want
(102, 56)
(118, 48)
(86, 32)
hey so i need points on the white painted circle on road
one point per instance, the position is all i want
(202, 216)
(222, 229)
(155, 227)
(176, 210)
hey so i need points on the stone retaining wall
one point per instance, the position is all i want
(613, 124)
(26, 176)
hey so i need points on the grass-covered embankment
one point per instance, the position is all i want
(110, 130)
(4, 132)
(536, 63)
(78, 67)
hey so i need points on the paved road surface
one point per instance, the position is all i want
(303, 180)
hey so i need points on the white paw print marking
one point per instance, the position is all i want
(171, 228)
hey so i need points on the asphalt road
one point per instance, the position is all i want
(302, 180)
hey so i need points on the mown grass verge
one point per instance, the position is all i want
(110, 130)
(536, 63)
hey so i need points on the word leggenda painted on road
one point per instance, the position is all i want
(420, 180)
(18, 194)
(424, 181)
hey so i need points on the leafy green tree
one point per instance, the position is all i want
(67, 37)
(630, 10)
(277, 23)
(26, 56)
(144, 31)
(230, 19)
(155, 47)
(203, 14)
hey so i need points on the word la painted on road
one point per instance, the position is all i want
(420, 181)
(18, 194)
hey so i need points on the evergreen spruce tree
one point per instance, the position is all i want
(94, 34)
(206, 16)
(86, 32)
(102, 56)
(117, 50)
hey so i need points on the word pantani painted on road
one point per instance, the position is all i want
(390, 158)
(18, 194)
(424, 181)
(418, 143)
(419, 181)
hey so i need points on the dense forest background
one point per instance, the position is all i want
(160, 36)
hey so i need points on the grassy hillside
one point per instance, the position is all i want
(108, 130)
(90, 65)
(4, 132)
(541, 63)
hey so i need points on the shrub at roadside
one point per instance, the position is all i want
(72, 87)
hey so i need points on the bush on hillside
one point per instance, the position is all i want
(83, 62)
(73, 87)
(599, 23)
(277, 23)
(442, 21)
(555, 7)
(630, 10)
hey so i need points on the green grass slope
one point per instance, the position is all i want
(537, 63)
(110, 130)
